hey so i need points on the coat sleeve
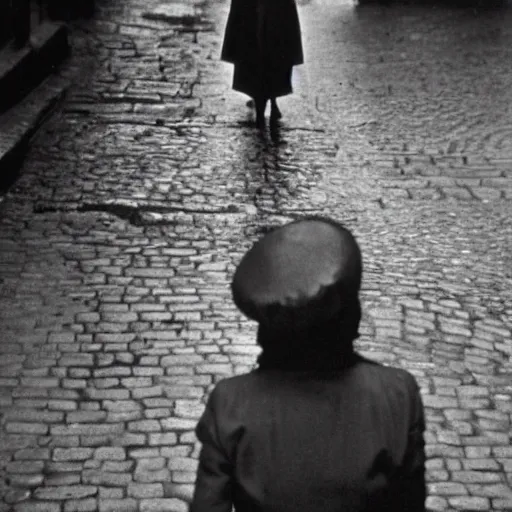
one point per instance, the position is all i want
(411, 495)
(213, 490)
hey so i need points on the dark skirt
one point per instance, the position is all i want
(262, 82)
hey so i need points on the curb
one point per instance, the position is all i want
(19, 124)
(21, 70)
(25, 97)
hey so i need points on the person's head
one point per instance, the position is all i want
(301, 283)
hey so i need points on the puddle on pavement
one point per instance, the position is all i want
(405, 3)
(174, 13)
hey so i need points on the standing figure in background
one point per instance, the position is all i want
(316, 427)
(263, 41)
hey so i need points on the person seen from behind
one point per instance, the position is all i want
(315, 427)
(263, 41)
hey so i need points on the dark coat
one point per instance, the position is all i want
(275, 441)
(263, 29)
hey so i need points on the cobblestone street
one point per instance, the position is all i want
(141, 193)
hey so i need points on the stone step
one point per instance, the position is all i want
(22, 69)
(19, 124)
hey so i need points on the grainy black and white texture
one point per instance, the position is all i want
(141, 193)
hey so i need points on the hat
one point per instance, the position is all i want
(301, 274)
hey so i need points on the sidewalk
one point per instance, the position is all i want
(117, 244)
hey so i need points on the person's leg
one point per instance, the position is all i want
(260, 104)
(275, 113)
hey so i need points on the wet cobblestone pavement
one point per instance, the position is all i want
(141, 194)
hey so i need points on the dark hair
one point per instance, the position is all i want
(317, 332)
(329, 346)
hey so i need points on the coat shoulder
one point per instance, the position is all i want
(234, 384)
(395, 386)
(388, 375)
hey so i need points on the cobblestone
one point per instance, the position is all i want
(63, 492)
(85, 505)
(163, 505)
(64, 454)
(37, 507)
(118, 505)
